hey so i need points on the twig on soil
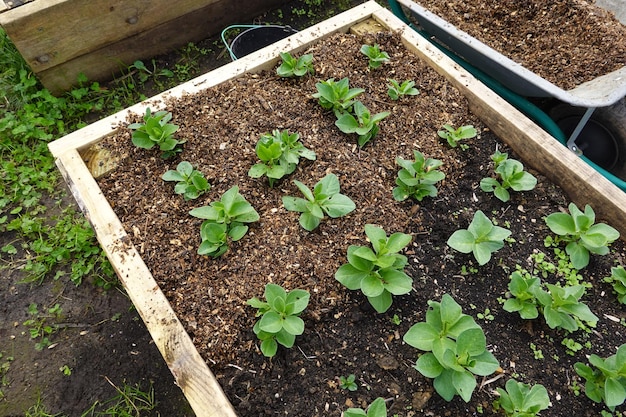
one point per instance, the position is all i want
(307, 357)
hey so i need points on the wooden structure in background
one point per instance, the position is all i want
(535, 147)
(62, 38)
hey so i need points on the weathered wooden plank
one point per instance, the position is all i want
(536, 148)
(62, 38)
(48, 32)
(190, 371)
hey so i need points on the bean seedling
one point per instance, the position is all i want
(336, 95)
(605, 379)
(280, 321)
(580, 233)
(279, 153)
(512, 176)
(378, 408)
(363, 123)
(189, 181)
(224, 219)
(292, 67)
(456, 349)
(481, 238)
(417, 178)
(375, 55)
(561, 306)
(618, 281)
(324, 199)
(522, 400)
(454, 136)
(155, 130)
(396, 90)
(378, 273)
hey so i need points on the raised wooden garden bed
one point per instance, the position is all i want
(62, 38)
(536, 148)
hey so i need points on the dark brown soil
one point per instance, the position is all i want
(343, 333)
(567, 42)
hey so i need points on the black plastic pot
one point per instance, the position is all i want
(257, 37)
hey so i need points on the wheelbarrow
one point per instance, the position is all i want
(592, 120)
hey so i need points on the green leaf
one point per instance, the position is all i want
(269, 347)
(372, 286)
(471, 341)
(561, 223)
(338, 205)
(293, 325)
(350, 277)
(294, 204)
(428, 365)
(257, 170)
(444, 386)
(382, 302)
(396, 282)
(377, 408)
(421, 336)
(271, 322)
(309, 222)
(464, 383)
(462, 240)
(299, 299)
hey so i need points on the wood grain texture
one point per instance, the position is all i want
(190, 371)
(62, 38)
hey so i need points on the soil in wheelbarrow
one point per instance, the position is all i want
(566, 42)
(343, 334)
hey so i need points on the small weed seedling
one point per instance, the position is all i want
(279, 153)
(155, 130)
(337, 96)
(512, 176)
(454, 136)
(224, 219)
(605, 379)
(481, 238)
(580, 233)
(378, 273)
(280, 321)
(363, 123)
(456, 349)
(189, 181)
(522, 400)
(375, 55)
(618, 281)
(571, 346)
(292, 67)
(417, 178)
(395, 90)
(324, 199)
(129, 401)
(38, 328)
(378, 408)
(347, 382)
